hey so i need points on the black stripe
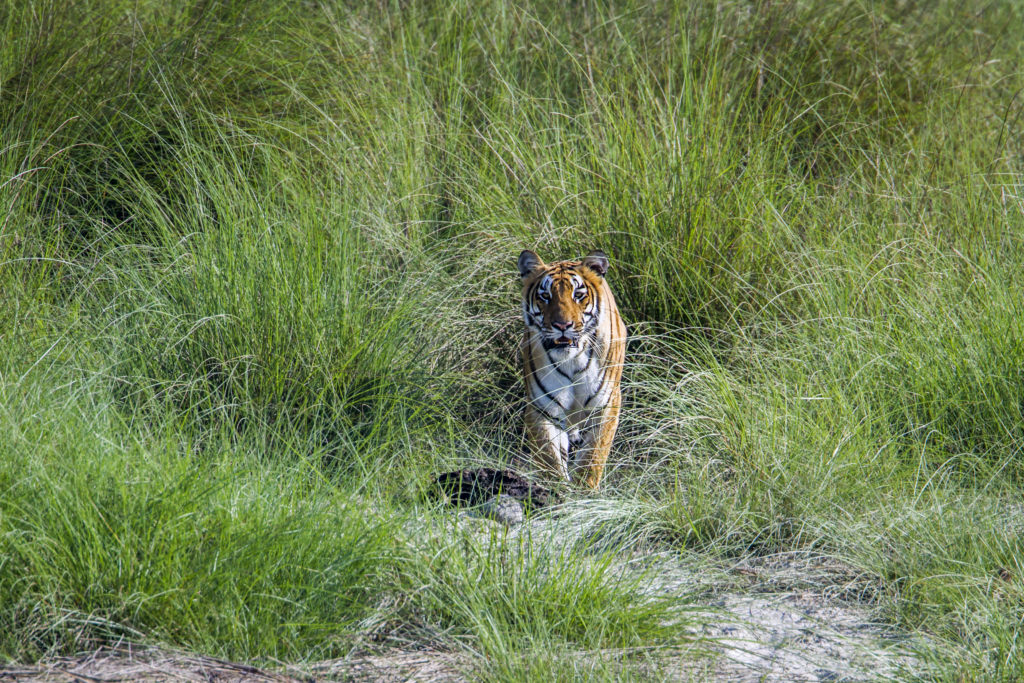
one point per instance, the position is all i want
(532, 374)
(546, 395)
(534, 404)
(531, 293)
(532, 290)
(600, 386)
(527, 360)
(590, 359)
(593, 322)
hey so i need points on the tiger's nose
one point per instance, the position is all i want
(562, 326)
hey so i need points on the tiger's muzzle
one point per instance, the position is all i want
(563, 336)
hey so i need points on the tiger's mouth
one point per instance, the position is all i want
(563, 342)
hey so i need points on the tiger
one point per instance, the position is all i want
(573, 351)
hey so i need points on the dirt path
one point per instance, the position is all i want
(803, 637)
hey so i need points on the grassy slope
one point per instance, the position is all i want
(256, 261)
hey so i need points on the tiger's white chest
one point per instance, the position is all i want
(569, 383)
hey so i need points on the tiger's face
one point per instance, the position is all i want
(561, 299)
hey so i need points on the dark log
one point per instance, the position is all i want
(472, 487)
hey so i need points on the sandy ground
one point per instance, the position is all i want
(795, 617)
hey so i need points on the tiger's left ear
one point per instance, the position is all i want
(527, 262)
(597, 261)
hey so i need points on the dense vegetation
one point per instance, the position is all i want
(257, 265)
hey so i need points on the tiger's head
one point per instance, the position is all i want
(562, 300)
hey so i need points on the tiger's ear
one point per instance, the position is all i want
(527, 262)
(597, 261)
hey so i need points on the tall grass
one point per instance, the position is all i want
(257, 269)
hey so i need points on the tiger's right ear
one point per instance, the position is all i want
(597, 261)
(527, 262)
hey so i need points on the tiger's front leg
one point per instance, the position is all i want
(550, 443)
(590, 457)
